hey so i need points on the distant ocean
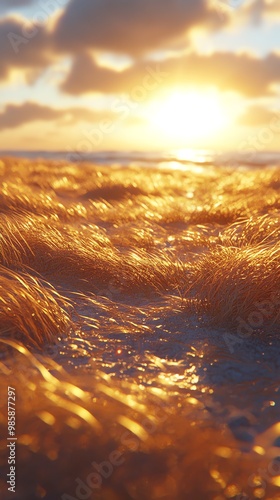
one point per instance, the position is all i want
(166, 159)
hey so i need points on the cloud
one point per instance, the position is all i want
(16, 34)
(255, 116)
(118, 26)
(227, 71)
(13, 116)
(134, 27)
(16, 3)
(129, 26)
(12, 5)
(257, 10)
(87, 76)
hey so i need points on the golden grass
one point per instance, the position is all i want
(130, 249)
(232, 283)
(30, 311)
(167, 446)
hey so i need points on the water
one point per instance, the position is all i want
(166, 159)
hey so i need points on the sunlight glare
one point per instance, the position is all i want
(189, 115)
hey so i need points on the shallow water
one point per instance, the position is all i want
(195, 360)
(166, 159)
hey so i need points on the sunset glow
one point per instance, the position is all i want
(140, 249)
(189, 115)
(164, 74)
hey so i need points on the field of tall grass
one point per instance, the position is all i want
(91, 256)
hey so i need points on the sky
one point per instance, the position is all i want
(88, 75)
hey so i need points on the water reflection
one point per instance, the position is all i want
(239, 390)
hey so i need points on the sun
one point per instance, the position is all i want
(188, 115)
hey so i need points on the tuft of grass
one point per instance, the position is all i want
(231, 283)
(30, 310)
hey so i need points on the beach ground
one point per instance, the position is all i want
(139, 319)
